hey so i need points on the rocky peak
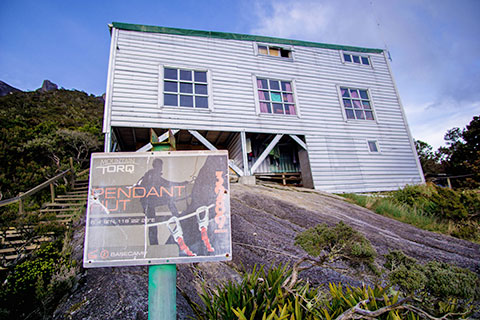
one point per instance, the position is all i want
(7, 89)
(48, 86)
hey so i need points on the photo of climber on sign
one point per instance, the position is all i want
(157, 189)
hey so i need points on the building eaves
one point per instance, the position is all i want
(237, 36)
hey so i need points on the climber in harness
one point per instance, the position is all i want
(153, 180)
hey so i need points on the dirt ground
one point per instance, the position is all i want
(265, 221)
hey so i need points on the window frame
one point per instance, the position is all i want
(342, 106)
(161, 87)
(297, 114)
(342, 57)
(377, 145)
(277, 46)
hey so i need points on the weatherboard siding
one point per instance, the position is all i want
(338, 150)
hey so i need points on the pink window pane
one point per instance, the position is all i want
(357, 104)
(286, 86)
(288, 97)
(291, 108)
(354, 93)
(262, 84)
(261, 95)
(264, 107)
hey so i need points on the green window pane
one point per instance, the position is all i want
(276, 96)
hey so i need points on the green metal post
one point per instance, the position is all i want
(162, 279)
(162, 292)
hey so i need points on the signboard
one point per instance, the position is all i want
(148, 208)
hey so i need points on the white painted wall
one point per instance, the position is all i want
(338, 150)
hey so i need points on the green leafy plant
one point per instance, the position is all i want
(441, 287)
(339, 242)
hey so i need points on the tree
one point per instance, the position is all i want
(462, 154)
(430, 161)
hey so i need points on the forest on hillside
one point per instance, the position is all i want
(40, 131)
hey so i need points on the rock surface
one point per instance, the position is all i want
(265, 220)
(47, 85)
(5, 89)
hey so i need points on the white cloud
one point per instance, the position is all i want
(430, 122)
(433, 44)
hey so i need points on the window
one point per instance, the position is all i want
(274, 51)
(276, 96)
(372, 145)
(357, 104)
(185, 88)
(353, 58)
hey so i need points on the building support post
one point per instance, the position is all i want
(243, 137)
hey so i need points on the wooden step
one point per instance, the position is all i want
(70, 204)
(60, 216)
(57, 210)
(62, 200)
(14, 250)
(76, 196)
(22, 241)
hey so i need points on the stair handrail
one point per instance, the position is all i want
(35, 189)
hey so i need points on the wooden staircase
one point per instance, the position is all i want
(17, 242)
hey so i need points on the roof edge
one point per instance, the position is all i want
(238, 36)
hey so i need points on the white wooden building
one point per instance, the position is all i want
(331, 112)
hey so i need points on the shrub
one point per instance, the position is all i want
(442, 287)
(341, 241)
(29, 288)
(405, 272)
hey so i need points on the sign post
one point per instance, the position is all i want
(162, 278)
(158, 209)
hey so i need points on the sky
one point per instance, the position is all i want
(434, 45)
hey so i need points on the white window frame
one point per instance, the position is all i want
(342, 57)
(342, 106)
(289, 48)
(257, 100)
(161, 81)
(376, 144)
